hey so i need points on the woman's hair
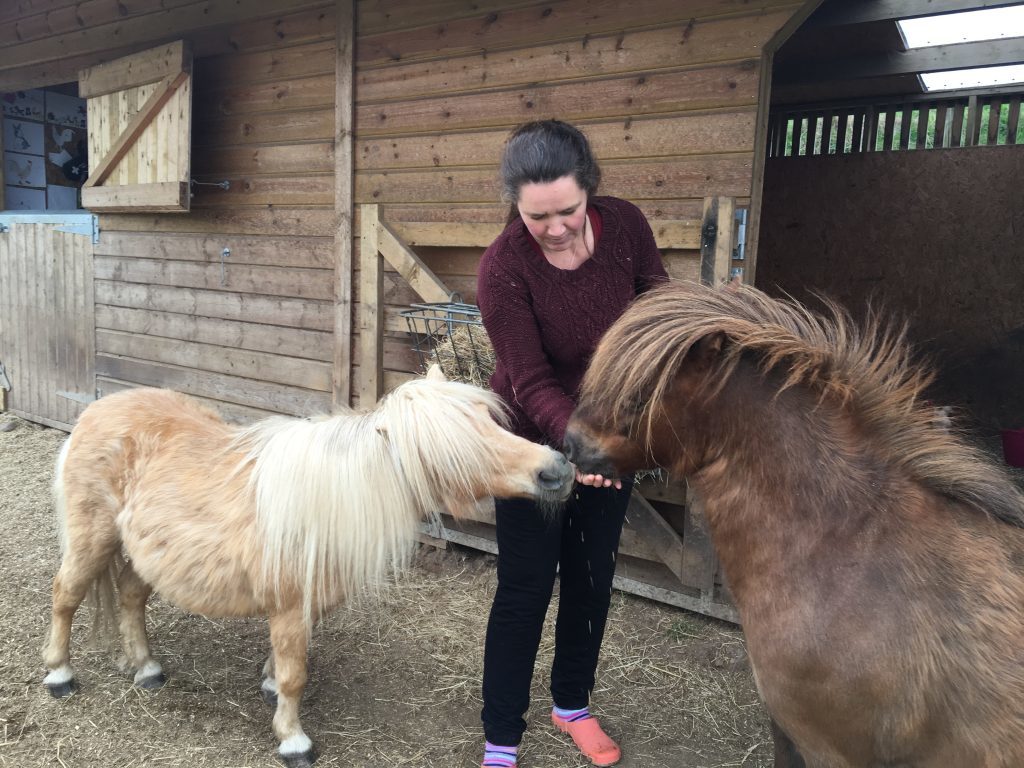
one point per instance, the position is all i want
(543, 151)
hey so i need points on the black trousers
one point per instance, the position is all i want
(580, 543)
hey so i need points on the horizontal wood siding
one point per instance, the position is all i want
(252, 327)
(250, 331)
(665, 89)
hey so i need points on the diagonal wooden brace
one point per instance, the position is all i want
(163, 93)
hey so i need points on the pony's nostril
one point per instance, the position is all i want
(551, 479)
(570, 446)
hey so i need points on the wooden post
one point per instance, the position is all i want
(973, 120)
(371, 313)
(717, 239)
(699, 561)
(341, 378)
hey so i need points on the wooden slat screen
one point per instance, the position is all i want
(908, 124)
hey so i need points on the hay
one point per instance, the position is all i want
(465, 354)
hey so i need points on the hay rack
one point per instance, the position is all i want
(452, 335)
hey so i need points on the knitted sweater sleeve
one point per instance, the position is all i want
(650, 269)
(506, 310)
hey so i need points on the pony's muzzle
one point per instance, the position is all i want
(589, 459)
(557, 478)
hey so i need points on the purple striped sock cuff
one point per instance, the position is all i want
(572, 715)
(496, 756)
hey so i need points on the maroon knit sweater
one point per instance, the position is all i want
(545, 322)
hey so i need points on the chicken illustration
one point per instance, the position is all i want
(22, 171)
(60, 139)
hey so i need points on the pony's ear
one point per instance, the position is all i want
(434, 373)
(707, 348)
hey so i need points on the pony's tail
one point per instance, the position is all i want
(102, 601)
(100, 598)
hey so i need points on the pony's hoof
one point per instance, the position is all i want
(299, 760)
(152, 683)
(62, 690)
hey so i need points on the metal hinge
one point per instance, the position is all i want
(78, 397)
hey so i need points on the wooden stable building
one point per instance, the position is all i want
(271, 184)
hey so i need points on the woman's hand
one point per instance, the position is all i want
(598, 481)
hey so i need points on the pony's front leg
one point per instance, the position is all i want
(133, 593)
(289, 637)
(786, 753)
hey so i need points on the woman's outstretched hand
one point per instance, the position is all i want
(598, 481)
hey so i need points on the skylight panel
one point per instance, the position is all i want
(982, 77)
(969, 26)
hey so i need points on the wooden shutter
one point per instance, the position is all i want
(139, 123)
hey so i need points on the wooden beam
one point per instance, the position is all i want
(841, 13)
(764, 100)
(668, 233)
(138, 124)
(936, 58)
(700, 560)
(144, 30)
(410, 266)
(159, 197)
(371, 313)
(654, 529)
(343, 208)
(133, 71)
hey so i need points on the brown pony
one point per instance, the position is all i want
(876, 560)
(286, 518)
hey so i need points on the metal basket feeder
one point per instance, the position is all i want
(452, 335)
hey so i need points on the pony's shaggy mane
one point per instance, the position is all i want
(868, 370)
(338, 498)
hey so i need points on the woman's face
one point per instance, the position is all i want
(553, 211)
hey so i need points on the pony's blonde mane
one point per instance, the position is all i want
(868, 369)
(338, 498)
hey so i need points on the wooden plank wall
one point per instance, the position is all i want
(951, 264)
(251, 331)
(46, 307)
(665, 89)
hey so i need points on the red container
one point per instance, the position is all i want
(1013, 447)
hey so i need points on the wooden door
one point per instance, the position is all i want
(47, 328)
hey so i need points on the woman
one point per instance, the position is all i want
(561, 272)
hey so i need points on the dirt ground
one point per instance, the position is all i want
(394, 682)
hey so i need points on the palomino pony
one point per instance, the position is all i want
(286, 518)
(877, 561)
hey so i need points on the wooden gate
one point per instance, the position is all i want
(666, 551)
(47, 331)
